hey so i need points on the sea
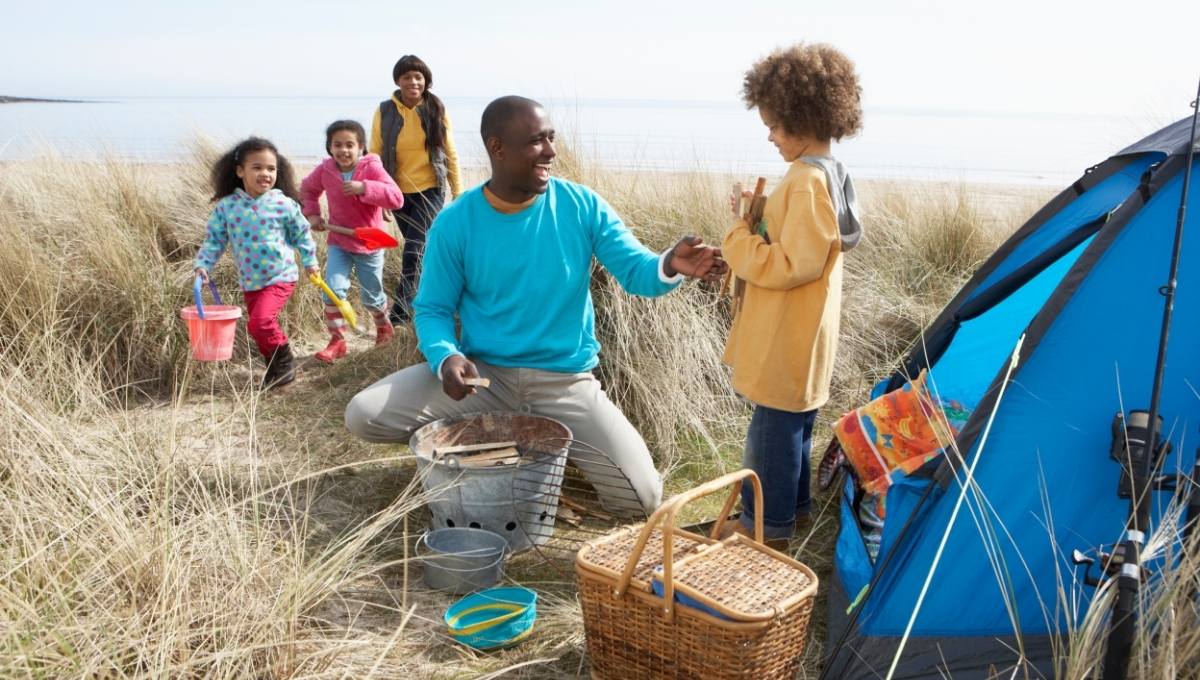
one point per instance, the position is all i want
(640, 135)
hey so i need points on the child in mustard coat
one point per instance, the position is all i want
(784, 335)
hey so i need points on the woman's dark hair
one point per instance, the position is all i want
(435, 137)
(348, 125)
(810, 89)
(224, 172)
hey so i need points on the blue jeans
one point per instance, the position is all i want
(778, 445)
(339, 264)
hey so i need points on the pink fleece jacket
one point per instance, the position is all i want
(351, 211)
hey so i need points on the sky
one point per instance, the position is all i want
(1019, 56)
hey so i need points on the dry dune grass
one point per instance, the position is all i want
(162, 518)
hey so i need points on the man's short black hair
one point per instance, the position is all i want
(498, 113)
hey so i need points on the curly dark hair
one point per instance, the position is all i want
(224, 172)
(345, 126)
(810, 89)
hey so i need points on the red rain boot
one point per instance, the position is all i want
(335, 350)
(384, 334)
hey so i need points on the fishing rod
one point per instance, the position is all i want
(1192, 514)
(1144, 458)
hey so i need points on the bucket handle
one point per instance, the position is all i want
(422, 556)
(197, 288)
(665, 515)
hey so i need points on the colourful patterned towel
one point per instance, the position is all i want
(900, 431)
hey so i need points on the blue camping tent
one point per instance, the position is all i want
(1080, 281)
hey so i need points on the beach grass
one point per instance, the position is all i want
(161, 517)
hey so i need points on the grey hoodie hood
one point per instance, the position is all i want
(845, 200)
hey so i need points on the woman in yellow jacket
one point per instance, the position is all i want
(784, 335)
(411, 133)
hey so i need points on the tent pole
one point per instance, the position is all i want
(1123, 625)
(962, 495)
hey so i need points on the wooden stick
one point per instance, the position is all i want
(725, 283)
(569, 516)
(462, 429)
(738, 199)
(753, 215)
(567, 502)
(341, 230)
(760, 186)
(469, 448)
(492, 454)
(478, 382)
(404, 543)
(505, 456)
(756, 215)
(756, 205)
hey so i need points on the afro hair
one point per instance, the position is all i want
(810, 89)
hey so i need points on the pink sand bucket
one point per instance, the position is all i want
(211, 327)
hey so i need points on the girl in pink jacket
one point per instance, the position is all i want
(357, 189)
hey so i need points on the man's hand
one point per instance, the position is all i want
(202, 273)
(691, 257)
(353, 188)
(316, 222)
(455, 371)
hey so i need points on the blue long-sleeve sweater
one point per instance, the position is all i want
(520, 283)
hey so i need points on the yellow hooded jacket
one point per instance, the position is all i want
(414, 170)
(784, 337)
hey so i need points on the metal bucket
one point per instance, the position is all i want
(461, 560)
(486, 497)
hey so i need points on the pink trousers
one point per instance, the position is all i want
(263, 307)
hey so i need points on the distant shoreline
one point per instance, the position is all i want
(4, 99)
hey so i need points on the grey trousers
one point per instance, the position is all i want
(396, 406)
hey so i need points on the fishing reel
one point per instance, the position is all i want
(1130, 447)
(1130, 441)
(1110, 563)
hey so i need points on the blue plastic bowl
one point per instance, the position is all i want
(493, 618)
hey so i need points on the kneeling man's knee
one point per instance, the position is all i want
(655, 497)
(357, 418)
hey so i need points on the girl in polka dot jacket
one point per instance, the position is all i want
(257, 216)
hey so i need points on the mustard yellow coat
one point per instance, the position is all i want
(784, 336)
(414, 171)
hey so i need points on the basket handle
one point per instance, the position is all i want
(665, 515)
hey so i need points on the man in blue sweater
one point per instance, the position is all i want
(512, 259)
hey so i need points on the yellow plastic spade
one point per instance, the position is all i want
(343, 306)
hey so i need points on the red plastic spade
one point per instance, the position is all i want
(372, 237)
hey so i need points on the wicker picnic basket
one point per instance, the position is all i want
(758, 601)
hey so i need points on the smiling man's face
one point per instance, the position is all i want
(523, 156)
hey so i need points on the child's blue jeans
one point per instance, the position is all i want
(339, 264)
(778, 444)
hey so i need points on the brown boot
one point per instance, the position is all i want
(280, 368)
(736, 527)
(804, 522)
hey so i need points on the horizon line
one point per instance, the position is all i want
(882, 108)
